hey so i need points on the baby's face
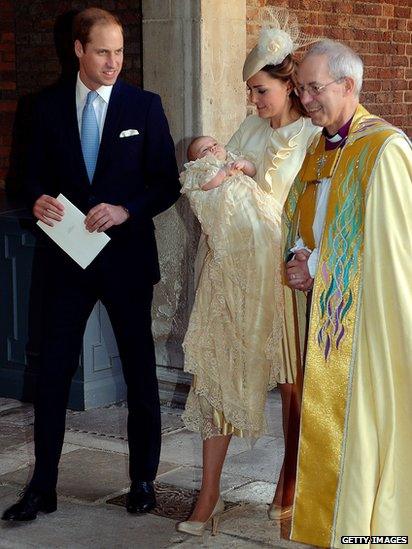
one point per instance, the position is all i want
(208, 145)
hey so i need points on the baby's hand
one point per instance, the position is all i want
(239, 164)
(242, 165)
(233, 167)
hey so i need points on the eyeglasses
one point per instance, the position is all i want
(315, 89)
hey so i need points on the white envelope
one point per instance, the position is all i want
(128, 133)
(72, 236)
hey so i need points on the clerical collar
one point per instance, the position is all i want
(339, 139)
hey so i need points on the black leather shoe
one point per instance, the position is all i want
(141, 498)
(30, 504)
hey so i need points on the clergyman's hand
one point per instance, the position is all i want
(297, 272)
(48, 209)
(103, 216)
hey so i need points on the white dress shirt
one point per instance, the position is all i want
(322, 196)
(100, 103)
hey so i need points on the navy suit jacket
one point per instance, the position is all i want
(138, 172)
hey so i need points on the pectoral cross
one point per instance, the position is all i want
(320, 164)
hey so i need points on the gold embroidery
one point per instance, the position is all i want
(321, 164)
(326, 398)
(307, 209)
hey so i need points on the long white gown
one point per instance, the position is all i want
(233, 342)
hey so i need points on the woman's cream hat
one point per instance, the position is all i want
(279, 37)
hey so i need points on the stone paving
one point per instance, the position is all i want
(94, 469)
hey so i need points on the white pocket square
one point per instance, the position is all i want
(128, 133)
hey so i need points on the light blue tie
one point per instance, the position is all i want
(90, 135)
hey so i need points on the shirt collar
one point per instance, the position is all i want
(82, 90)
(337, 140)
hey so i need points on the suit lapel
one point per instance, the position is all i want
(110, 129)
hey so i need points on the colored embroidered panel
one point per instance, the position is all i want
(339, 266)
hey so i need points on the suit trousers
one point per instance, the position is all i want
(70, 295)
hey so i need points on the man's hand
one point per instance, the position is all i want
(297, 272)
(48, 209)
(103, 216)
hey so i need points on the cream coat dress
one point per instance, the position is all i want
(233, 343)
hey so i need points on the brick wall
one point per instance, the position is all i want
(29, 60)
(379, 30)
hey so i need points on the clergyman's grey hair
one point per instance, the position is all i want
(342, 61)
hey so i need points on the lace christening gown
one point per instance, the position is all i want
(233, 343)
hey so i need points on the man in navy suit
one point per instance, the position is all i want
(111, 154)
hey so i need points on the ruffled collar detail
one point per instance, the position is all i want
(288, 137)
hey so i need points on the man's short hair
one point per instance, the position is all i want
(87, 19)
(342, 61)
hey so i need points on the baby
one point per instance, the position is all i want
(238, 217)
(203, 146)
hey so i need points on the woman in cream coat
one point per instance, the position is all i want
(233, 346)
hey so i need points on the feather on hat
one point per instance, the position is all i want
(279, 37)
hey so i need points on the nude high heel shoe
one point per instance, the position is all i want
(197, 528)
(277, 512)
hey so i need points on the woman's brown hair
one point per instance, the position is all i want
(286, 71)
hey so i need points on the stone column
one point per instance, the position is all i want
(193, 52)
